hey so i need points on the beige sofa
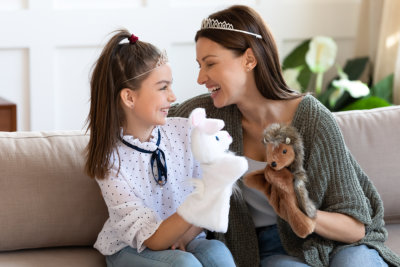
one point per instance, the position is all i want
(51, 212)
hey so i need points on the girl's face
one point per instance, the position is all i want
(221, 71)
(153, 100)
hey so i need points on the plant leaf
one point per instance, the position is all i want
(384, 88)
(298, 58)
(367, 103)
(354, 68)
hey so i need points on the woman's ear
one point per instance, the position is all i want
(250, 60)
(128, 97)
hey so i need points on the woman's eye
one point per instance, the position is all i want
(284, 151)
(216, 138)
(164, 88)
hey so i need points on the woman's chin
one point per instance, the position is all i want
(217, 103)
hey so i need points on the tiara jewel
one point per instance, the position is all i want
(209, 23)
(162, 60)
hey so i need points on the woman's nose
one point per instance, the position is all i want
(201, 79)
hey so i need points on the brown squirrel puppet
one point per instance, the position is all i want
(283, 179)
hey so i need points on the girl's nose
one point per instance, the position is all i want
(171, 97)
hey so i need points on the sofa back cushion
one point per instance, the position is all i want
(46, 200)
(373, 137)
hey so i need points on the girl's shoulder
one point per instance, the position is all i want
(176, 127)
(176, 123)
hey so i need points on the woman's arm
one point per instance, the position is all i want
(339, 227)
(168, 233)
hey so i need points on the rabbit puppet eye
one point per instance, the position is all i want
(216, 138)
(284, 151)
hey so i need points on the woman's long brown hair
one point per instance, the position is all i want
(119, 61)
(268, 73)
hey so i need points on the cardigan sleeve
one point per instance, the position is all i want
(333, 174)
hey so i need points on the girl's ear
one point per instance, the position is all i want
(250, 60)
(128, 97)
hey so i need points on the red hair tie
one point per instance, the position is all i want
(133, 39)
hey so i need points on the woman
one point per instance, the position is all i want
(240, 67)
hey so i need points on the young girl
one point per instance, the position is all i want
(141, 160)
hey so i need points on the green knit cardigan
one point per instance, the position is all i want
(336, 183)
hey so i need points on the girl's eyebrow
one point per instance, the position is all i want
(164, 81)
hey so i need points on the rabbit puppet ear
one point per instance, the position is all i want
(209, 126)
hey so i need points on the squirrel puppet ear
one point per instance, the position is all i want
(198, 119)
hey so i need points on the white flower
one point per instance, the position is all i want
(321, 54)
(356, 89)
(290, 75)
(334, 97)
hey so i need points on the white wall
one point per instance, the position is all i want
(47, 47)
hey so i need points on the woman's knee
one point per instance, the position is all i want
(357, 256)
(217, 245)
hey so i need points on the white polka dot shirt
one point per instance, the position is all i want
(136, 203)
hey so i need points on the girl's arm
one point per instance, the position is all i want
(339, 227)
(168, 233)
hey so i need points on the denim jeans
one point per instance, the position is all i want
(272, 253)
(199, 252)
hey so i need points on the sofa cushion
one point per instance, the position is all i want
(373, 137)
(46, 200)
(59, 257)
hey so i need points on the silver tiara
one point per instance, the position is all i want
(209, 23)
(162, 59)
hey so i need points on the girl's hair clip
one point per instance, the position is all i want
(133, 39)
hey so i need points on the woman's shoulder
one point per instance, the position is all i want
(311, 111)
(183, 109)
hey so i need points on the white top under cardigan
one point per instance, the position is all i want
(261, 211)
(136, 203)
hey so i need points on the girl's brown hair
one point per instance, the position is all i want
(119, 61)
(268, 73)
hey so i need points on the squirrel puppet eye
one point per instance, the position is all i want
(284, 151)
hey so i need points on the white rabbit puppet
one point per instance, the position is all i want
(208, 205)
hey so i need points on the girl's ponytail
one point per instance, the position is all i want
(121, 59)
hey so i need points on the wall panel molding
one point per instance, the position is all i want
(61, 38)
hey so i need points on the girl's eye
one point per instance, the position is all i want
(216, 138)
(164, 88)
(284, 151)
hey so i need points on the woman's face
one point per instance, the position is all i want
(221, 71)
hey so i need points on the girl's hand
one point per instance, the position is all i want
(180, 244)
(186, 238)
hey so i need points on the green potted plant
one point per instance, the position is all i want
(305, 66)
